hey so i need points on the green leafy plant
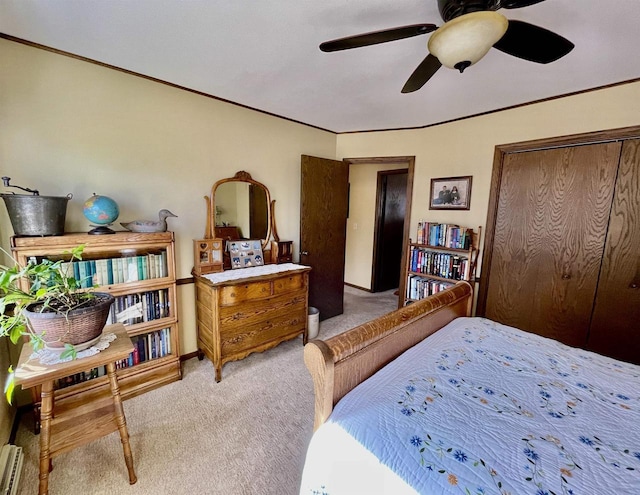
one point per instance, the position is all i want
(46, 284)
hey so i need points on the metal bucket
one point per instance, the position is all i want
(36, 215)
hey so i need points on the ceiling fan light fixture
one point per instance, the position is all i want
(463, 41)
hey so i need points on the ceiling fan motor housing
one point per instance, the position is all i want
(450, 9)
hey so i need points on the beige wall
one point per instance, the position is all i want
(363, 180)
(69, 126)
(467, 147)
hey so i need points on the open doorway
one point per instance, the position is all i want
(323, 221)
(391, 201)
(378, 224)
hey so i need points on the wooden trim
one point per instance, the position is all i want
(185, 281)
(39, 46)
(190, 355)
(501, 151)
(358, 287)
(32, 44)
(497, 110)
(398, 160)
(604, 136)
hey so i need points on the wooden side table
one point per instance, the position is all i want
(87, 416)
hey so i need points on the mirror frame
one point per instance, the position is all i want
(240, 176)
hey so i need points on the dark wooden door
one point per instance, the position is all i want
(258, 212)
(390, 212)
(615, 327)
(323, 229)
(548, 239)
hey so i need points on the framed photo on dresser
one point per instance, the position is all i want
(245, 253)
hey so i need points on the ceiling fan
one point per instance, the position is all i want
(471, 28)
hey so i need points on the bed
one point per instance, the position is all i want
(428, 399)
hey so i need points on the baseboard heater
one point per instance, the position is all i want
(11, 458)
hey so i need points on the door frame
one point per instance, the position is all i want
(501, 151)
(409, 163)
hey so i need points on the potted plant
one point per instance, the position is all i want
(42, 301)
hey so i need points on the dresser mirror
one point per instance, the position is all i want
(240, 208)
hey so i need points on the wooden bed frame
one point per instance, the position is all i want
(340, 363)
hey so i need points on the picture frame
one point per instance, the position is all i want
(245, 253)
(450, 193)
(208, 256)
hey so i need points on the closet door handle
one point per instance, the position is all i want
(304, 253)
(634, 285)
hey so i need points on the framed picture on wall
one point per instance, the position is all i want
(450, 193)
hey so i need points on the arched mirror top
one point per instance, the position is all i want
(242, 206)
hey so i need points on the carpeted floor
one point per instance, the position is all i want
(246, 435)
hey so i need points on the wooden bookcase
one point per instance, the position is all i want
(148, 281)
(440, 259)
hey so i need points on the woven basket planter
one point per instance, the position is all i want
(77, 327)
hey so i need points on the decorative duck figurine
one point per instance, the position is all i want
(159, 225)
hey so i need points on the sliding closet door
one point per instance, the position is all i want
(550, 226)
(615, 328)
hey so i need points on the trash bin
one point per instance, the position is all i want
(313, 323)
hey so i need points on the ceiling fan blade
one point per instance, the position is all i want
(427, 68)
(533, 43)
(518, 4)
(375, 37)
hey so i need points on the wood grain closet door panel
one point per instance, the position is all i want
(615, 328)
(552, 215)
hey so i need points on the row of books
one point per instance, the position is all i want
(146, 347)
(141, 307)
(419, 288)
(446, 265)
(84, 376)
(108, 271)
(149, 346)
(444, 235)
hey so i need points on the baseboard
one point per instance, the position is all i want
(358, 287)
(190, 355)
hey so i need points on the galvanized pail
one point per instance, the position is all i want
(36, 215)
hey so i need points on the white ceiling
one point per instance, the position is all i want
(264, 54)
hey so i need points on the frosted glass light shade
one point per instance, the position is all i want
(467, 38)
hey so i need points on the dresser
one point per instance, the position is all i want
(250, 310)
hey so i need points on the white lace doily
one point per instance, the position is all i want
(49, 356)
(254, 271)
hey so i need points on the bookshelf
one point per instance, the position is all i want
(138, 269)
(443, 255)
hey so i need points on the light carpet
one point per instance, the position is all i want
(246, 435)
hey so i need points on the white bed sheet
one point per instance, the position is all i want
(481, 408)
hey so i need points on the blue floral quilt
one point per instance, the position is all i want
(482, 408)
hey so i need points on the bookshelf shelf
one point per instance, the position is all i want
(443, 255)
(139, 271)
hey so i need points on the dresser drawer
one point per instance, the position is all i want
(240, 336)
(236, 294)
(288, 284)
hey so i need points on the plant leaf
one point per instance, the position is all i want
(10, 385)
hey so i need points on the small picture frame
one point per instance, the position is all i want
(245, 253)
(450, 193)
(208, 256)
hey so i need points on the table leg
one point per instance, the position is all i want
(46, 412)
(121, 421)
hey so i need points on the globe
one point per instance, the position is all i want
(100, 211)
